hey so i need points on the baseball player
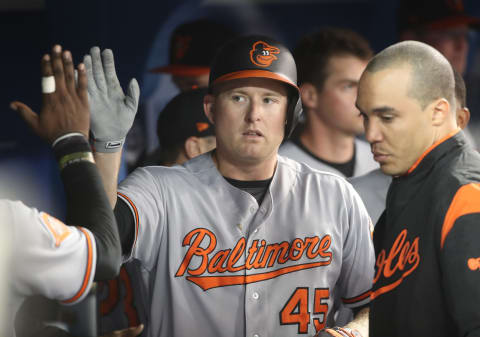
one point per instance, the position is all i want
(48, 257)
(240, 241)
(373, 186)
(426, 242)
(330, 63)
(184, 132)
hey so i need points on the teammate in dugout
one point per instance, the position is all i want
(426, 242)
(184, 132)
(373, 186)
(240, 241)
(73, 256)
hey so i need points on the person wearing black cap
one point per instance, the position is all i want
(443, 24)
(240, 241)
(192, 47)
(183, 129)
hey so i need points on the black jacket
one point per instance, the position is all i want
(427, 244)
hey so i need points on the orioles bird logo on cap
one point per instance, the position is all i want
(262, 54)
(202, 126)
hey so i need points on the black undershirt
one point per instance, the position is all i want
(346, 168)
(257, 188)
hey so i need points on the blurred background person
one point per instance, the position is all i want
(192, 47)
(183, 130)
(444, 25)
(330, 63)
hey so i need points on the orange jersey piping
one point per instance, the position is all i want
(434, 145)
(88, 273)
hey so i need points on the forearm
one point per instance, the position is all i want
(87, 203)
(108, 165)
(360, 322)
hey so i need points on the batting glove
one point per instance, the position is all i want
(112, 112)
(338, 332)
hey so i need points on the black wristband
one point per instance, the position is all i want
(71, 150)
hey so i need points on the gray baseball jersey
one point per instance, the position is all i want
(219, 264)
(47, 257)
(363, 158)
(372, 188)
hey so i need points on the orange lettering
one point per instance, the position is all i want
(297, 246)
(277, 250)
(195, 249)
(217, 261)
(260, 255)
(236, 255)
(396, 248)
(251, 253)
(323, 246)
(257, 264)
(380, 263)
(311, 242)
(401, 254)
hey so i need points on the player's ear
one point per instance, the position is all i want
(440, 111)
(192, 147)
(308, 93)
(463, 117)
(208, 107)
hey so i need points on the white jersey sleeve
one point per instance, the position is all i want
(143, 195)
(358, 255)
(48, 258)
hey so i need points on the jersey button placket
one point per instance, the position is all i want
(255, 315)
(254, 301)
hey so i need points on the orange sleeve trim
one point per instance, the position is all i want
(137, 220)
(358, 298)
(59, 230)
(465, 201)
(414, 166)
(88, 272)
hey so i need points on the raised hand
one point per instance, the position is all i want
(113, 112)
(65, 110)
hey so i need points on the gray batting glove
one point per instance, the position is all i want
(112, 112)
